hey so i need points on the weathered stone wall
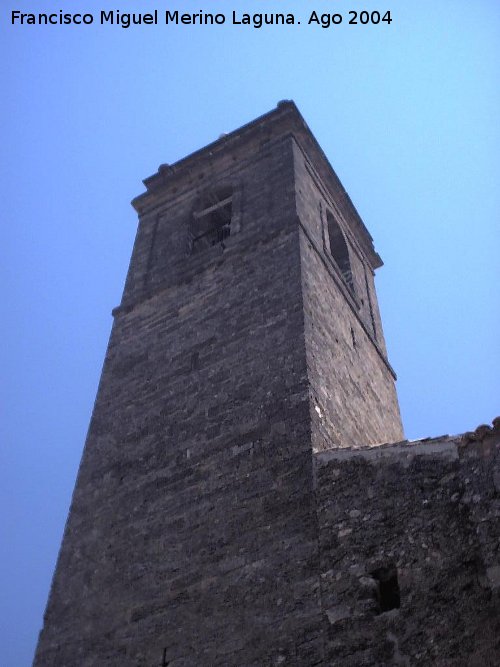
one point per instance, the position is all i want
(353, 396)
(427, 513)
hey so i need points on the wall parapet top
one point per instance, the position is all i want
(483, 439)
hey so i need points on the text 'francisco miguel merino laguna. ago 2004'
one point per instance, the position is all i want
(201, 18)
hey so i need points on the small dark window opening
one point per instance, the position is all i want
(164, 661)
(387, 588)
(339, 250)
(211, 223)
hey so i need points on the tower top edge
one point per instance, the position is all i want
(167, 171)
(284, 119)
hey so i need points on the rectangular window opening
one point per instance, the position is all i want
(388, 593)
(212, 225)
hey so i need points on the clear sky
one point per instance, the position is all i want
(407, 113)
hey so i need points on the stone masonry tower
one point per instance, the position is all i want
(247, 340)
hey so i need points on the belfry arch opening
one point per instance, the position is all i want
(339, 250)
(211, 221)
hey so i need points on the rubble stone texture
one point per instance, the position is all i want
(234, 505)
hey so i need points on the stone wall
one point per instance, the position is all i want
(410, 558)
(353, 395)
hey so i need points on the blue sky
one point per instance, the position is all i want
(407, 115)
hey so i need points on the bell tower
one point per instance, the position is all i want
(248, 338)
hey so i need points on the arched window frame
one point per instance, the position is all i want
(338, 249)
